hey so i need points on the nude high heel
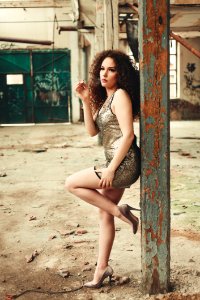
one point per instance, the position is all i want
(125, 210)
(107, 273)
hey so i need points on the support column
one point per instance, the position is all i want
(99, 30)
(111, 32)
(107, 25)
(155, 177)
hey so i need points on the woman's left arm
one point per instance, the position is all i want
(122, 108)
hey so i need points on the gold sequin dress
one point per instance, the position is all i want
(129, 169)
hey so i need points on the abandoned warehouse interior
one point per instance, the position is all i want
(47, 46)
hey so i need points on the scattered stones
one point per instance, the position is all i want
(64, 273)
(52, 236)
(39, 150)
(81, 231)
(184, 206)
(80, 241)
(178, 213)
(72, 224)
(67, 246)
(3, 174)
(86, 269)
(66, 232)
(185, 153)
(118, 280)
(32, 218)
(65, 145)
(105, 290)
(30, 258)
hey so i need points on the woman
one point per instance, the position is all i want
(110, 100)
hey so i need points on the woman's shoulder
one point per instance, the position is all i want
(122, 94)
(121, 99)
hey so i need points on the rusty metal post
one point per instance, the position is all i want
(155, 177)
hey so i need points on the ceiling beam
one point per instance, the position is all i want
(184, 9)
(185, 29)
(184, 2)
(34, 3)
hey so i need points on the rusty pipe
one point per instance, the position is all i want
(67, 28)
(27, 41)
(185, 44)
(133, 7)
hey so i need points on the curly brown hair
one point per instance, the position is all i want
(128, 79)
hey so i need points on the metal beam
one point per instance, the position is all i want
(67, 28)
(26, 41)
(185, 29)
(185, 44)
(155, 177)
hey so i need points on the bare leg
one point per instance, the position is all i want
(85, 185)
(106, 233)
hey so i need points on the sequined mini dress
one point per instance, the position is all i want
(129, 169)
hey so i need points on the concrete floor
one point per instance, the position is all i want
(38, 214)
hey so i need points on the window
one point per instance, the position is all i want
(14, 79)
(173, 69)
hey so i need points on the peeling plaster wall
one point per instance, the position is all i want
(37, 24)
(187, 106)
(186, 57)
(33, 23)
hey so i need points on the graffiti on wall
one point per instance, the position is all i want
(50, 89)
(7, 46)
(192, 87)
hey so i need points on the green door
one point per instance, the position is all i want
(52, 87)
(3, 103)
(14, 65)
(16, 104)
(39, 86)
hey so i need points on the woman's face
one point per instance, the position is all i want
(108, 73)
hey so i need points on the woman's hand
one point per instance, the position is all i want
(107, 177)
(83, 91)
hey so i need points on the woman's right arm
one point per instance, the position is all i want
(83, 93)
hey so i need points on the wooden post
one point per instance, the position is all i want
(155, 177)
(111, 24)
(107, 28)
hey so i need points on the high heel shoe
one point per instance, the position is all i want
(107, 273)
(125, 210)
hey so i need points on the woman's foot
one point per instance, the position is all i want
(99, 276)
(125, 210)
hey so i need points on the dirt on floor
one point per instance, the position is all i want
(49, 238)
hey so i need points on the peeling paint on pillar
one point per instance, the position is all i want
(155, 178)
